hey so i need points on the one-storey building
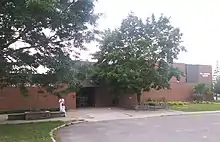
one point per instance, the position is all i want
(96, 96)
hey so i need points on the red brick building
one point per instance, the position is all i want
(183, 90)
(12, 99)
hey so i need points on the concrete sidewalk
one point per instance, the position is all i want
(104, 114)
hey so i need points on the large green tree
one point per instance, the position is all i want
(45, 33)
(216, 85)
(216, 79)
(138, 56)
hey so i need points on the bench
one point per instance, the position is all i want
(35, 115)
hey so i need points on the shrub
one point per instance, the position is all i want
(178, 103)
(201, 92)
(202, 102)
(154, 103)
(198, 97)
(150, 103)
(201, 89)
(160, 103)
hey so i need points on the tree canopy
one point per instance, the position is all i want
(216, 85)
(138, 55)
(216, 79)
(45, 33)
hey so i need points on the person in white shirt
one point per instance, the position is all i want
(62, 105)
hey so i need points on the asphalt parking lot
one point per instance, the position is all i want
(190, 128)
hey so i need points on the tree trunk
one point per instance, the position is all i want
(139, 98)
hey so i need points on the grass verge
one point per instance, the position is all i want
(196, 107)
(28, 132)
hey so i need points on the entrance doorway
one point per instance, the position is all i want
(85, 97)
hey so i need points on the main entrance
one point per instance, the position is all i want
(85, 97)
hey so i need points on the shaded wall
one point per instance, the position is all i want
(12, 99)
(128, 101)
(103, 98)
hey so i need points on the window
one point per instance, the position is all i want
(192, 73)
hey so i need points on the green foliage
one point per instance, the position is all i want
(216, 85)
(216, 72)
(154, 103)
(178, 103)
(45, 5)
(128, 55)
(175, 72)
(201, 92)
(43, 33)
(216, 79)
(201, 89)
(202, 102)
(74, 76)
(159, 103)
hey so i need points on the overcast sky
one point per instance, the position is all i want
(198, 20)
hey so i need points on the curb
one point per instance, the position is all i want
(198, 112)
(62, 126)
(156, 115)
(183, 113)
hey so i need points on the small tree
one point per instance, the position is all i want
(200, 92)
(216, 79)
(201, 89)
(216, 73)
(216, 85)
(128, 55)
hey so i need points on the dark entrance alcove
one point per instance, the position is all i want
(85, 97)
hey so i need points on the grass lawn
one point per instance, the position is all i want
(197, 107)
(29, 132)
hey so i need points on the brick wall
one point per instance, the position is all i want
(181, 91)
(128, 101)
(102, 98)
(12, 99)
(178, 92)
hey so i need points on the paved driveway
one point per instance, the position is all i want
(195, 128)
